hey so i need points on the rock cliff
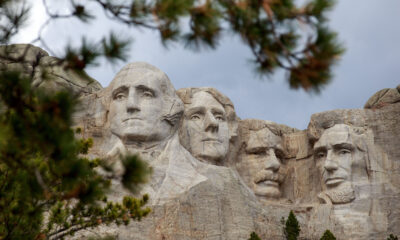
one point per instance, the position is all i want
(219, 177)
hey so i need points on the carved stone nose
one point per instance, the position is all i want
(330, 165)
(210, 123)
(132, 104)
(132, 109)
(272, 162)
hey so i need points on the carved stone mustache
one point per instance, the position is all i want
(265, 175)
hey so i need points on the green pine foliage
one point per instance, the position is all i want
(328, 235)
(48, 188)
(392, 237)
(292, 228)
(281, 34)
(254, 236)
(14, 14)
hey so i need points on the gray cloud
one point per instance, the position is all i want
(369, 30)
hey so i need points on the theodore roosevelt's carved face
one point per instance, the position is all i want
(340, 161)
(205, 123)
(261, 164)
(136, 108)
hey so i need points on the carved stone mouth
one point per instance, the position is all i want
(268, 180)
(333, 181)
(132, 118)
(267, 176)
(266, 183)
(211, 140)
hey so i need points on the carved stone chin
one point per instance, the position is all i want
(267, 191)
(344, 194)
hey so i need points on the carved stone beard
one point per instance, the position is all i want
(343, 194)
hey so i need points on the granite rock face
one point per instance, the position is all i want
(45, 71)
(216, 176)
(383, 97)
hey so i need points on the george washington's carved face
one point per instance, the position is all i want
(136, 108)
(206, 126)
(261, 163)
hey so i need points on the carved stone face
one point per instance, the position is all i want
(206, 126)
(339, 160)
(261, 164)
(136, 107)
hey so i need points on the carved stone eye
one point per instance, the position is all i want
(148, 94)
(320, 155)
(344, 151)
(279, 154)
(260, 153)
(219, 118)
(195, 117)
(119, 96)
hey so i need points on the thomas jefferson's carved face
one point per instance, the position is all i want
(137, 106)
(206, 126)
(339, 159)
(261, 164)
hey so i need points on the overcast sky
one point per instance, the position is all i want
(369, 29)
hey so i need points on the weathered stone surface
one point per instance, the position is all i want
(52, 76)
(383, 97)
(218, 177)
(46, 72)
(20, 57)
(297, 145)
(22, 53)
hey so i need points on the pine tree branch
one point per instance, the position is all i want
(114, 10)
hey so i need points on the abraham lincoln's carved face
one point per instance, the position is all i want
(340, 161)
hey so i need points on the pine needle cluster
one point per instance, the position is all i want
(328, 235)
(254, 236)
(392, 237)
(291, 230)
(48, 188)
(292, 227)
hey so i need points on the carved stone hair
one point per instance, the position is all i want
(248, 126)
(256, 125)
(186, 95)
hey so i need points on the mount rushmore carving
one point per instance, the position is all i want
(216, 176)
